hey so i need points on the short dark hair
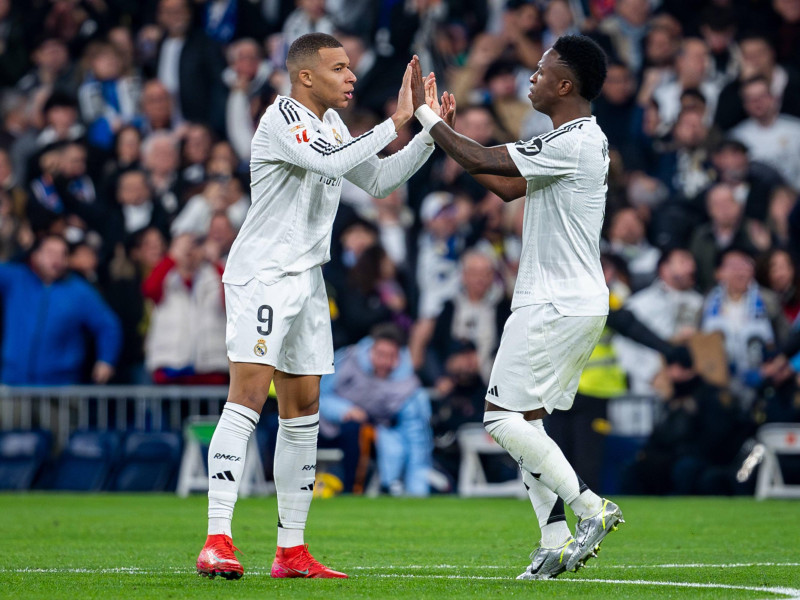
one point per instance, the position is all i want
(586, 59)
(731, 144)
(389, 332)
(668, 253)
(308, 45)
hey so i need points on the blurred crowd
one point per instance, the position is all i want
(124, 177)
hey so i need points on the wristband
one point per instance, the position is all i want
(426, 117)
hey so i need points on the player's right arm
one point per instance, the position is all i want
(290, 131)
(299, 144)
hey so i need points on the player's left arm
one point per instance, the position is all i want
(380, 177)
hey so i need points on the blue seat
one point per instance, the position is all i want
(22, 455)
(149, 462)
(86, 462)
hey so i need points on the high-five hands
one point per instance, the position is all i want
(417, 83)
(423, 91)
(447, 109)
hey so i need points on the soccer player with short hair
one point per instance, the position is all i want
(278, 320)
(560, 299)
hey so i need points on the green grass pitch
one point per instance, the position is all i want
(144, 546)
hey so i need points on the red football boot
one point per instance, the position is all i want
(217, 558)
(298, 562)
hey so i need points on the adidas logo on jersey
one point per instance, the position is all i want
(493, 392)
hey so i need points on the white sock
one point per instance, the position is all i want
(295, 468)
(549, 509)
(226, 455)
(536, 452)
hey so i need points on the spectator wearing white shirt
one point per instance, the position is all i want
(771, 137)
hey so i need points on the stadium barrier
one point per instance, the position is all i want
(64, 409)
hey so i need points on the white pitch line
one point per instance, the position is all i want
(787, 592)
(140, 571)
(790, 593)
(663, 566)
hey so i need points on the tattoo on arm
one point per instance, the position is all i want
(474, 157)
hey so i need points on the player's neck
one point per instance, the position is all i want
(569, 111)
(304, 98)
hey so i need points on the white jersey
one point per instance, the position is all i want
(296, 168)
(567, 171)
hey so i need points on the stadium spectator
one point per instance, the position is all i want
(627, 28)
(196, 142)
(742, 311)
(753, 182)
(190, 65)
(15, 233)
(727, 228)
(157, 108)
(309, 17)
(788, 35)
(671, 308)
(771, 137)
(46, 313)
(247, 77)
(692, 72)
(718, 27)
(160, 158)
(476, 314)
(50, 69)
(627, 240)
(227, 20)
(781, 216)
(219, 239)
(60, 124)
(440, 245)
(616, 110)
(128, 268)
(185, 341)
(776, 271)
(375, 383)
(758, 60)
(134, 209)
(373, 293)
(108, 97)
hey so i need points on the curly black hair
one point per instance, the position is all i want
(586, 60)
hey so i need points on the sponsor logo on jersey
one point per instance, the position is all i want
(260, 348)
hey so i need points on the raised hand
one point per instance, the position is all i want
(417, 83)
(431, 95)
(448, 110)
(404, 110)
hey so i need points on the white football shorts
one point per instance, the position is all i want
(540, 359)
(286, 324)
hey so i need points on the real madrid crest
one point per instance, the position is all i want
(338, 136)
(260, 348)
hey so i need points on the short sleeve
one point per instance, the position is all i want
(547, 155)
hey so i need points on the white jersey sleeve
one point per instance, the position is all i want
(296, 141)
(380, 177)
(549, 155)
